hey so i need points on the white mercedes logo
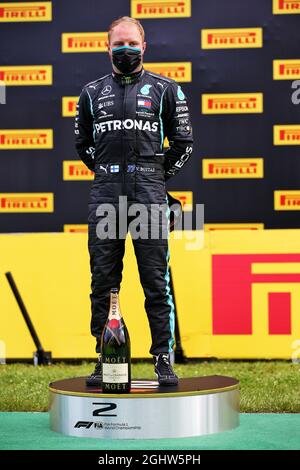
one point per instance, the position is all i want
(106, 90)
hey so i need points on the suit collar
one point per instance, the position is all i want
(128, 79)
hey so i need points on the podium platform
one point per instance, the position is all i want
(196, 406)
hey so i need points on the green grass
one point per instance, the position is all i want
(266, 386)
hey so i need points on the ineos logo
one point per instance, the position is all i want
(106, 90)
(103, 410)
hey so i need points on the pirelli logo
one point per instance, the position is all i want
(249, 226)
(75, 228)
(286, 6)
(25, 11)
(234, 103)
(69, 106)
(20, 75)
(76, 170)
(256, 293)
(84, 42)
(286, 135)
(26, 202)
(286, 69)
(185, 197)
(13, 139)
(287, 200)
(160, 8)
(231, 38)
(179, 71)
(222, 168)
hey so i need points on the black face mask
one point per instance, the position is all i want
(126, 58)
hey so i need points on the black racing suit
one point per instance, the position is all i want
(120, 125)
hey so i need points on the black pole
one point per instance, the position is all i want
(42, 356)
(179, 354)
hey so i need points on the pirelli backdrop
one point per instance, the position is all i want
(238, 60)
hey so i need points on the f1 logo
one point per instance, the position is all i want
(234, 281)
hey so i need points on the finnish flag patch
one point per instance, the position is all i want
(114, 168)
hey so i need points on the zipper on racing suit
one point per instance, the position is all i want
(124, 153)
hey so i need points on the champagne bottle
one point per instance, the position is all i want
(115, 349)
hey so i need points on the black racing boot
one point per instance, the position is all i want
(95, 379)
(164, 370)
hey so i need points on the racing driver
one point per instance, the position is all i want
(121, 122)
